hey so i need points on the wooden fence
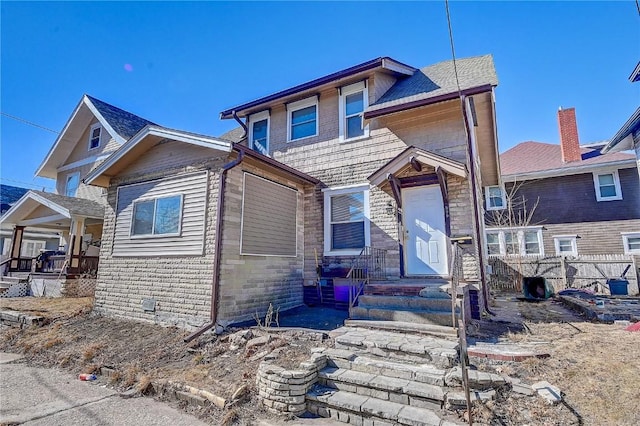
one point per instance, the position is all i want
(589, 272)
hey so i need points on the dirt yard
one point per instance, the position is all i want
(596, 366)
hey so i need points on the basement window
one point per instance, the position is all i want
(631, 243)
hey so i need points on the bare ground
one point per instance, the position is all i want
(597, 366)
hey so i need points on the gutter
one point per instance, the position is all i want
(428, 101)
(476, 215)
(215, 285)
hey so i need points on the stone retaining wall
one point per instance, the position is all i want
(284, 391)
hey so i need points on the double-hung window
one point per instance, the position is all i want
(346, 217)
(259, 132)
(566, 245)
(94, 136)
(514, 241)
(71, 186)
(495, 198)
(631, 243)
(302, 119)
(607, 186)
(354, 99)
(159, 216)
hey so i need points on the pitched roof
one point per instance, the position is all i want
(437, 80)
(631, 126)
(10, 194)
(532, 157)
(233, 135)
(75, 206)
(123, 122)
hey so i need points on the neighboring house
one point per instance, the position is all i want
(35, 240)
(628, 137)
(202, 229)
(579, 200)
(94, 130)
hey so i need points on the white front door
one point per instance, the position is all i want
(425, 243)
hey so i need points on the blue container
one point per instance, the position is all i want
(618, 287)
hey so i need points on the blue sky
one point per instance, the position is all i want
(179, 64)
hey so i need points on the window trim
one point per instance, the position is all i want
(93, 127)
(521, 240)
(152, 235)
(574, 244)
(296, 106)
(488, 199)
(328, 193)
(66, 184)
(616, 182)
(625, 242)
(254, 118)
(244, 185)
(344, 91)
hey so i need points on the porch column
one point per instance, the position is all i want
(75, 245)
(16, 246)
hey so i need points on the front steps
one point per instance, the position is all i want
(416, 302)
(382, 377)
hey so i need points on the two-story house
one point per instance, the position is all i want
(380, 155)
(76, 210)
(564, 200)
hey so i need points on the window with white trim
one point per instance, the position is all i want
(94, 136)
(72, 184)
(31, 248)
(157, 216)
(607, 186)
(354, 99)
(513, 242)
(259, 132)
(631, 243)
(302, 119)
(566, 245)
(496, 198)
(346, 220)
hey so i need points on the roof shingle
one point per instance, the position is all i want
(76, 206)
(123, 122)
(531, 157)
(439, 79)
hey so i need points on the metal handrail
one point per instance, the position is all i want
(370, 264)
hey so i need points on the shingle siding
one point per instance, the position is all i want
(572, 199)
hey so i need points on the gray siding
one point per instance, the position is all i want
(193, 188)
(268, 218)
(572, 199)
(593, 238)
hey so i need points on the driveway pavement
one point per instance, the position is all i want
(41, 396)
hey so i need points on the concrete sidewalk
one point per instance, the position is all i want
(42, 396)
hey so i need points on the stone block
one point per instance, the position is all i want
(414, 416)
(383, 409)
(550, 393)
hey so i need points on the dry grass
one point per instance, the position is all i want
(50, 308)
(91, 351)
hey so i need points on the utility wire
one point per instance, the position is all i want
(32, 184)
(30, 123)
(453, 49)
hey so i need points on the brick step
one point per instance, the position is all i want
(402, 391)
(406, 302)
(406, 315)
(397, 346)
(405, 327)
(352, 408)
(423, 372)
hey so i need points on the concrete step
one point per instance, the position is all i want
(406, 315)
(397, 346)
(402, 391)
(406, 302)
(422, 372)
(405, 327)
(359, 409)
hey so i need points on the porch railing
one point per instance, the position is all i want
(24, 264)
(370, 264)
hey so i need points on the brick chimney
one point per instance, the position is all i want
(569, 143)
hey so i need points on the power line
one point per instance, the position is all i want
(453, 49)
(30, 123)
(32, 184)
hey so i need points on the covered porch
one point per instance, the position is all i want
(77, 222)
